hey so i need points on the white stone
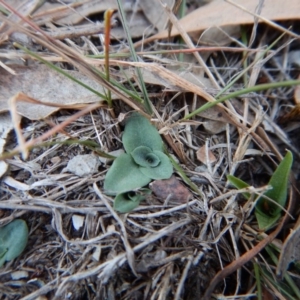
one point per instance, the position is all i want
(83, 165)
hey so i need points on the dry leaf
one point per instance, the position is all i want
(214, 127)
(213, 113)
(290, 252)
(209, 15)
(138, 26)
(46, 85)
(154, 12)
(72, 13)
(194, 75)
(171, 189)
(220, 36)
(5, 127)
(152, 78)
(267, 294)
(201, 156)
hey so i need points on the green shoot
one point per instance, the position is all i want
(266, 212)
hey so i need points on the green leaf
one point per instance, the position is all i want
(265, 221)
(163, 171)
(279, 183)
(3, 250)
(13, 238)
(124, 175)
(145, 157)
(143, 162)
(139, 132)
(127, 202)
(239, 184)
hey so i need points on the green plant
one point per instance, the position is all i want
(126, 202)
(268, 212)
(13, 240)
(143, 161)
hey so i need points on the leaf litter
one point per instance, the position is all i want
(166, 248)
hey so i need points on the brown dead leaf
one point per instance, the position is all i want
(138, 26)
(155, 14)
(77, 13)
(214, 113)
(220, 36)
(201, 156)
(214, 127)
(149, 77)
(209, 15)
(290, 251)
(46, 85)
(267, 295)
(72, 13)
(172, 189)
(194, 75)
(5, 128)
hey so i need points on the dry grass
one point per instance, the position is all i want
(161, 250)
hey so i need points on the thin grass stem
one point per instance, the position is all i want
(147, 103)
(257, 88)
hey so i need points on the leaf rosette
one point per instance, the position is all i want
(143, 161)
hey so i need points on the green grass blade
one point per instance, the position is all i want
(228, 86)
(257, 88)
(279, 183)
(258, 281)
(266, 212)
(147, 102)
(265, 221)
(131, 94)
(183, 176)
(4, 10)
(181, 13)
(289, 280)
(239, 184)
